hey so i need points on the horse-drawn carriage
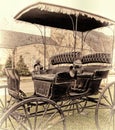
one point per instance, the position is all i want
(71, 80)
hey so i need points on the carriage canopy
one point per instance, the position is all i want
(62, 17)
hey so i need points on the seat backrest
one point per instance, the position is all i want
(97, 58)
(102, 73)
(95, 82)
(13, 81)
(70, 57)
(91, 82)
(65, 58)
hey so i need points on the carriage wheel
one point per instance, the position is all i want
(105, 109)
(33, 114)
(12, 100)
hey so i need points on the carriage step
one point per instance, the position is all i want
(80, 92)
(75, 94)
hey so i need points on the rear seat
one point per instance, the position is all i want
(97, 61)
(68, 58)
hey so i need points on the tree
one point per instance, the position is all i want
(8, 63)
(22, 67)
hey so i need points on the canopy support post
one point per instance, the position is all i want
(82, 42)
(113, 46)
(75, 33)
(13, 58)
(44, 42)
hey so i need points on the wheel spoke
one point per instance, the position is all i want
(105, 110)
(107, 100)
(11, 122)
(27, 117)
(110, 96)
(35, 119)
(47, 121)
(114, 95)
(114, 121)
(43, 114)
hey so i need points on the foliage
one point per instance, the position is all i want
(8, 62)
(22, 67)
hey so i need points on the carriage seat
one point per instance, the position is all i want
(95, 68)
(96, 61)
(88, 83)
(44, 77)
(60, 77)
(68, 58)
(56, 73)
(61, 62)
(65, 58)
(97, 58)
(58, 80)
(53, 86)
(90, 62)
(13, 81)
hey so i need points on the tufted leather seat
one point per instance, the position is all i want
(72, 56)
(65, 58)
(97, 58)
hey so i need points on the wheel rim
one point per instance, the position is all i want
(105, 109)
(34, 114)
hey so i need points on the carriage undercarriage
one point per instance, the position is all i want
(43, 113)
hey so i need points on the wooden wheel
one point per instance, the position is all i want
(105, 109)
(34, 114)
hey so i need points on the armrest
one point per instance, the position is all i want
(85, 75)
(44, 77)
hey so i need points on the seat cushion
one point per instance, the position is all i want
(44, 77)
